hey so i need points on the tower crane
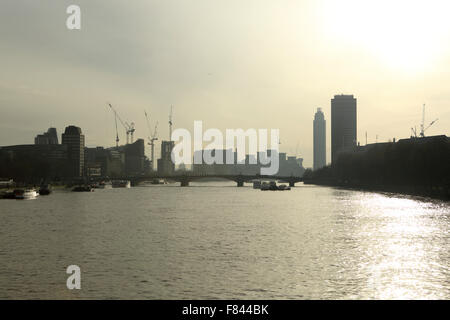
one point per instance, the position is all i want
(423, 129)
(117, 132)
(152, 138)
(170, 123)
(129, 128)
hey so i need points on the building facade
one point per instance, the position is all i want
(320, 140)
(74, 140)
(250, 165)
(135, 158)
(34, 162)
(343, 124)
(165, 163)
(49, 137)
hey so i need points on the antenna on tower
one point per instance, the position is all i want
(422, 125)
(170, 123)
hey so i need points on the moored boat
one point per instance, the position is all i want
(121, 184)
(104, 185)
(45, 190)
(265, 186)
(283, 187)
(158, 181)
(83, 189)
(25, 194)
(272, 186)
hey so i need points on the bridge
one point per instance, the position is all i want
(185, 178)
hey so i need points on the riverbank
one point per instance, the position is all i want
(439, 193)
(416, 166)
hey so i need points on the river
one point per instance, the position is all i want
(213, 240)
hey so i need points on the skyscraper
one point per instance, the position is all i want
(343, 124)
(49, 137)
(165, 164)
(320, 146)
(74, 139)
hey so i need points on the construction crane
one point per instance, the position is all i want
(117, 132)
(414, 132)
(152, 138)
(129, 128)
(423, 129)
(170, 123)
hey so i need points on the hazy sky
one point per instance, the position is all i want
(231, 63)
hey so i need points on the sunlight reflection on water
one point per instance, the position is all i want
(216, 241)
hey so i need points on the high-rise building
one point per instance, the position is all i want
(74, 139)
(49, 137)
(343, 124)
(165, 164)
(135, 157)
(320, 146)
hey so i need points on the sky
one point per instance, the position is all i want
(230, 63)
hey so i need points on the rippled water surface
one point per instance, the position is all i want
(216, 241)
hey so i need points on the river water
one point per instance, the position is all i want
(216, 241)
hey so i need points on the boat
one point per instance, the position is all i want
(26, 194)
(45, 190)
(158, 181)
(265, 186)
(121, 184)
(104, 185)
(83, 189)
(272, 186)
(95, 185)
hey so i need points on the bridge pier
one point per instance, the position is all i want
(184, 183)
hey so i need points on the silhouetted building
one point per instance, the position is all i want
(251, 164)
(165, 163)
(49, 137)
(95, 161)
(33, 162)
(135, 158)
(343, 124)
(74, 140)
(115, 163)
(320, 140)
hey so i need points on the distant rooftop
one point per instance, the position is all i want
(343, 96)
(73, 130)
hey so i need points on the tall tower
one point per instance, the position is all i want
(343, 124)
(165, 164)
(74, 139)
(320, 144)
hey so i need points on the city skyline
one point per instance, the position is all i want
(230, 68)
(228, 158)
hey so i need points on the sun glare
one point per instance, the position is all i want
(407, 35)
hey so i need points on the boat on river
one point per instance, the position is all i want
(26, 194)
(83, 189)
(45, 190)
(121, 184)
